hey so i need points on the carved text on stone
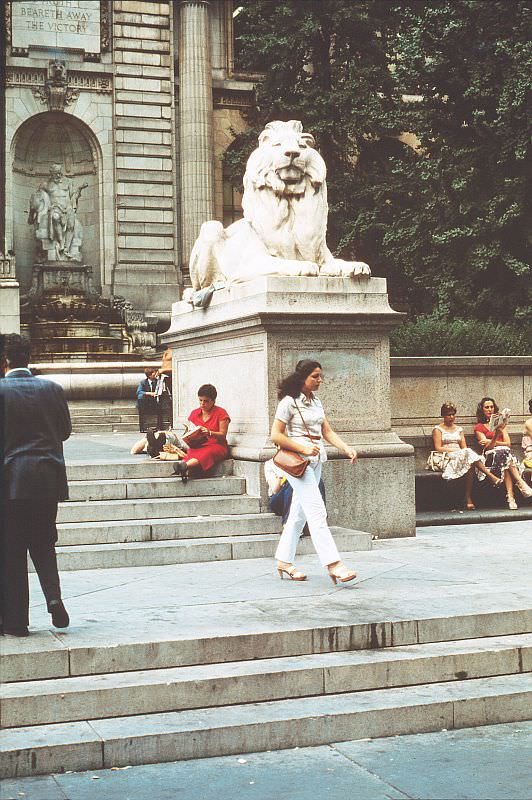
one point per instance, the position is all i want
(58, 23)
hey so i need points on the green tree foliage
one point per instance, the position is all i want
(445, 222)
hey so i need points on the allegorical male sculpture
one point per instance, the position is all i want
(285, 218)
(53, 213)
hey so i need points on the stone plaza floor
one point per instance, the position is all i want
(487, 763)
(445, 572)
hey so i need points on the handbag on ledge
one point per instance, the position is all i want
(437, 461)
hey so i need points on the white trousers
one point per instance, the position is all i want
(307, 506)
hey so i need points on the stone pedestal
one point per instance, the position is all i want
(254, 333)
(9, 296)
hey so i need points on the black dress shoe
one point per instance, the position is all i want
(181, 470)
(60, 618)
(16, 632)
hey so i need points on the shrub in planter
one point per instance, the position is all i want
(433, 335)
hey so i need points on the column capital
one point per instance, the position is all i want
(193, 3)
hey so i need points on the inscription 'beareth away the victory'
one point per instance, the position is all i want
(72, 24)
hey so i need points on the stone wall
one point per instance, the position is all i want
(145, 154)
(418, 386)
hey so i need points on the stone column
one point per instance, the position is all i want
(195, 121)
(9, 288)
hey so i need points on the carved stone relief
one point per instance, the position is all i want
(56, 92)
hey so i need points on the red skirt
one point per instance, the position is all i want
(208, 455)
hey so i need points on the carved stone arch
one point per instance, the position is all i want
(40, 141)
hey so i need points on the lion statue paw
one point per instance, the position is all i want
(338, 268)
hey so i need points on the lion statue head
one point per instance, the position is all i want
(285, 194)
(285, 161)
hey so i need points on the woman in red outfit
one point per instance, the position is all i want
(500, 460)
(213, 421)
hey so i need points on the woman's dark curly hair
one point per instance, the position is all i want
(208, 390)
(293, 383)
(481, 417)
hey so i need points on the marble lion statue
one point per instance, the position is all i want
(285, 218)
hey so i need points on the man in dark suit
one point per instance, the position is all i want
(36, 422)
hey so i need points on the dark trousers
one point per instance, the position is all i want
(155, 414)
(28, 526)
(148, 413)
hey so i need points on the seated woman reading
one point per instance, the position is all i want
(496, 447)
(213, 422)
(461, 460)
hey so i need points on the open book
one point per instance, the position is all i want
(194, 437)
(498, 419)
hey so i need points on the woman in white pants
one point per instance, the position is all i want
(299, 414)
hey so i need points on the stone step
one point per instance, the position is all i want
(131, 467)
(99, 426)
(480, 515)
(183, 688)
(79, 652)
(79, 410)
(156, 530)
(188, 551)
(252, 727)
(184, 506)
(109, 419)
(144, 488)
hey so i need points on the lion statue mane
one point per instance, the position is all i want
(285, 218)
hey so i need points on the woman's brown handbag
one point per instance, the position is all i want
(291, 462)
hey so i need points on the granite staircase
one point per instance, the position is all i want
(103, 416)
(138, 514)
(66, 706)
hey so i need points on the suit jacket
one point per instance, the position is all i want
(36, 422)
(142, 388)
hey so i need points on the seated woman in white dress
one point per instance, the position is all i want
(460, 459)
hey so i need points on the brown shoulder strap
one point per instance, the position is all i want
(304, 423)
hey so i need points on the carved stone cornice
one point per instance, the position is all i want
(230, 98)
(82, 81)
